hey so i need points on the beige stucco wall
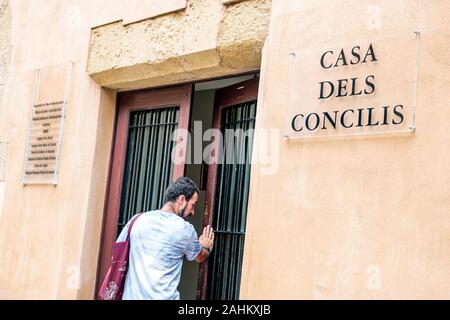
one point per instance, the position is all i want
(50, 236)
(5, 61)
(353, 217)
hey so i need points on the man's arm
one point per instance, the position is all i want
(206, 240)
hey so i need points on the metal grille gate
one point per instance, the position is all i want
(148, 167)
(233, 177)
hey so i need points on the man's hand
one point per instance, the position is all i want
(207, 238)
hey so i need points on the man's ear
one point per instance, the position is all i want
(182, 199)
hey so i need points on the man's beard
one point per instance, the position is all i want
(181, 212)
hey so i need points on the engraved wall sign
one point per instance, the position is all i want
(46, 126)
(363, 88)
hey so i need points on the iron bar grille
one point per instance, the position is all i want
(148, 166)
(231, 200)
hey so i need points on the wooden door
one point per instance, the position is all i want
(146, 158)
(228, 189)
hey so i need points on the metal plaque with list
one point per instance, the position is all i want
(46, 126)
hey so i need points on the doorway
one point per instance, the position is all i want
(142, 169)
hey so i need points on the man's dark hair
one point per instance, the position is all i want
(182, 186)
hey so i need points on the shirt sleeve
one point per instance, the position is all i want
(193, 247)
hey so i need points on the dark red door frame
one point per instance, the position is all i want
(226, 97)
(127, 103)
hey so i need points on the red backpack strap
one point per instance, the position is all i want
(131, 225)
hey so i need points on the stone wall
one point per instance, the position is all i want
(207, 39)
(5, 43)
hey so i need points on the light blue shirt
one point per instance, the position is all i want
(158, 242)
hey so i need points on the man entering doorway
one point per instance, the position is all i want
(159, 240)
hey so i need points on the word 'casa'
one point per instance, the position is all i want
(330, 60)
(347, 87)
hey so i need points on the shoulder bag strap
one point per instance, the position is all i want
(131, 225)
